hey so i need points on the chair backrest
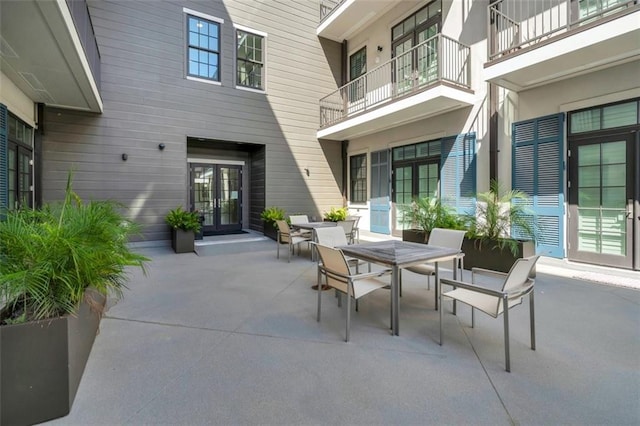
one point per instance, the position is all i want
(347, 226)
(285, 231)
(333, 260)
(356, 219)
(519, 274)
(298, 218)
(450, 238)
(331, 236)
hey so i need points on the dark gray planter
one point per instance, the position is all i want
(486, 254)
(41, 364)
(415, 236)
(270, 230)
(182, 241)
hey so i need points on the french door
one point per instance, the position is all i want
(601, 200)
(19, 177)
(216, 192)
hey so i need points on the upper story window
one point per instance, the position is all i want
(250, 69)
(357, 68)
(358, 177)
(203, 46)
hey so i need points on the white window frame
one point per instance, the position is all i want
(264, 58)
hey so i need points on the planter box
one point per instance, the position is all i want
(415, 236)
(41, 364)
(270, 230)
(182, 241)
(487, 255)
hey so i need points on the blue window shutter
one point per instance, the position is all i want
(537, 167)
(4, 167)
(380, 210)
(458, 172)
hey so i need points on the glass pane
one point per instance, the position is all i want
(435, 8)
(434, 148)
(620, 115)
(614, 152)
(409, 151)
(589, 155)
(589, 197)
(397, 32)
(613, 176)
(421, 16)
(585, 121)
(589, 176)
(398, 154)
(614, 197)
(422, 150)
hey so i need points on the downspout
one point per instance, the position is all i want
(38, 133)
(345, 144)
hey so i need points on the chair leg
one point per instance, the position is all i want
(429, 282)
(290, 248)
(319, 293)
(473, 319)
(356, 305)
(506, 333)
(278, 245)
(348, 313)
(400, 281)
(532, 319)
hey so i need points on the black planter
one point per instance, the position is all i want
(415, 236)
(486, 254)
(41, 364)
(182, 241)
(270, 230)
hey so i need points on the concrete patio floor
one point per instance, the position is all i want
(230, 337)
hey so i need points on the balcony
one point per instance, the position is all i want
(339, 19)
(428, 80)
(50, 52)
(533, 43)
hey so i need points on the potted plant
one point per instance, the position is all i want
(184, 225)
(57, 266)
(423, 215)
(269, 217)
(336, 214)
(500, 231)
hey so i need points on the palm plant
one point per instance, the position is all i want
(501, 214)
(427, 213)
(49, 257)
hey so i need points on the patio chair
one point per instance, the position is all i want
(295, 219)
(440, 237)
(335, 268)
(287, 236)
(347, 226)
(517, 284)
(334, 236)
(355, 235)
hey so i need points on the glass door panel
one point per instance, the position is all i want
(216, 193)
(403, 65)
(427, 60)
(601, 195)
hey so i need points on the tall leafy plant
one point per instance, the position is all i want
(501, 213)
(427, 213)
(50, 256)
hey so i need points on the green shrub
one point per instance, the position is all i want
(271, 214)
(179, 218)
(50, 256)
(428, 213)
(336, 214)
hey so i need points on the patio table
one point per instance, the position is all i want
(399, 254)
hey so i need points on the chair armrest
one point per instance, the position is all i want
(374, 274)
(471, 287)
(488, 272)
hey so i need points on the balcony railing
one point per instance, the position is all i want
(327, 7)
(436, 60)
(515, 24)
(82, 20)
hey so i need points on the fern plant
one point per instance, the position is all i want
(179, 218)
(50, 256)
(501, 213)
(427, 213)
(336, 214)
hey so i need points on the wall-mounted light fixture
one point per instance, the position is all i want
(307, 171)
(161, 146)
(124, 157)
(379, 48)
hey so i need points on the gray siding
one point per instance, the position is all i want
(148, 100)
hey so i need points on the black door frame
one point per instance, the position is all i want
(632, 197)
(217, 227)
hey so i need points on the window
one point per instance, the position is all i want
(357, 68)
(358, 174)
(250, 59)
(203, 37)
(605, 117)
